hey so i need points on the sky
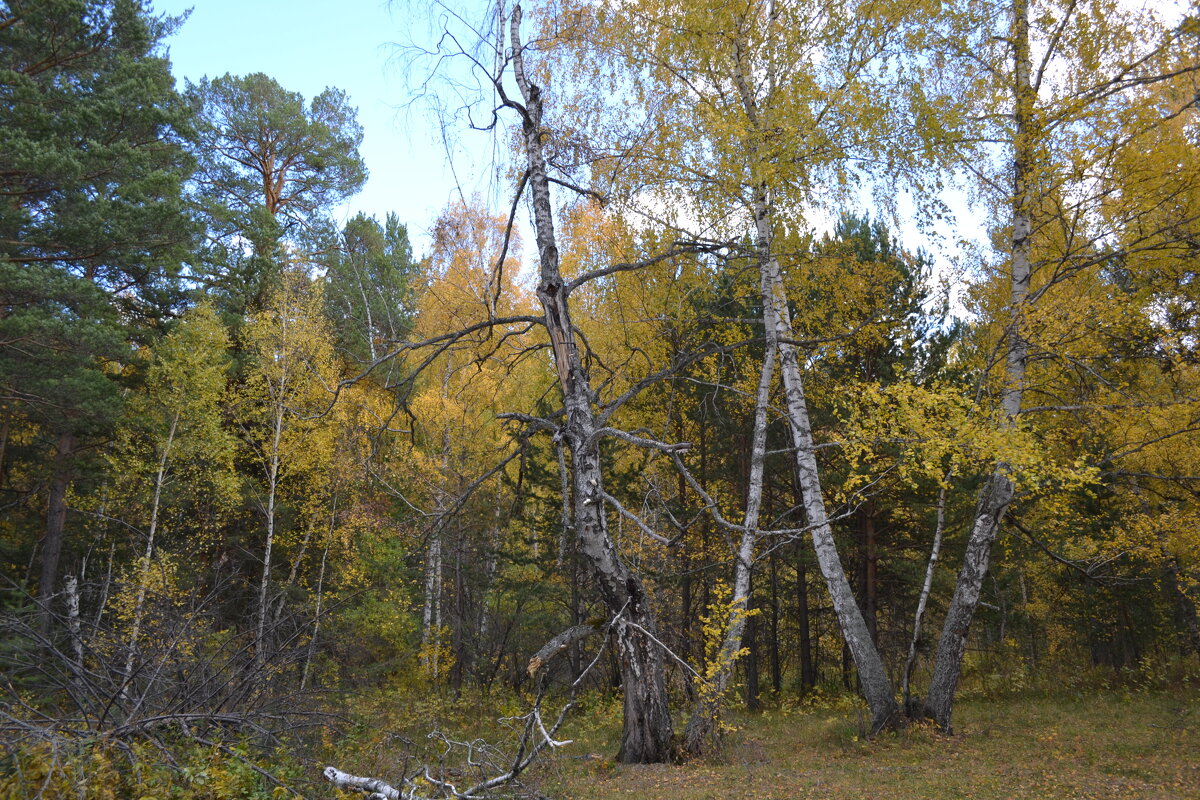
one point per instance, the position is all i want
(355, 46)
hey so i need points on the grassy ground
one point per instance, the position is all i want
(1102, 746)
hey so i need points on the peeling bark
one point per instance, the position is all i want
(647, 731)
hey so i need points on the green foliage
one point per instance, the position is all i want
(271, 168)
(93, 227)
(370, 288)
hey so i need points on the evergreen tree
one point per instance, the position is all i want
(92, 227)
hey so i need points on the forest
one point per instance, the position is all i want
(822, 359)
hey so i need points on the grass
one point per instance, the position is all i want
(1110, 745)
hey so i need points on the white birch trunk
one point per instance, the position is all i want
(936, 550)
(274, 458)
(876, 686)
(703, 722)
(647, 731)
(997, 492)
(139, 604)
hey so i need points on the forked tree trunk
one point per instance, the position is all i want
(647, 733)
(997, 492)
(876, 686)
(872, 676)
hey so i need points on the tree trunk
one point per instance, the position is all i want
(873, 677)
(647, 733)
(773, 638)
(273, 464)
(139, 604)
(431, 613)
(71, 590)
(312, 641)
(808, 672)
(911, 661)
(56, 522)
(997, 492)
(875, 684)
(702, 724)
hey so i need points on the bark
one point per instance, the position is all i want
(56, 521)
(431, 613)
(71, 590)
(702, 724)
(139, 604)
(876, 686)
(808, 672)
(997, 492)
(911, 661)
(873, 677)
(647, 733)
(273, 465)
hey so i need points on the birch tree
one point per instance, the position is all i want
(1057, 85)
(286, 391)
(174, 433)
(752, 115)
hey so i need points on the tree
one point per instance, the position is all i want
(1064, 121)
(93, 226)
(173, 433)
(647, 733)
(281, 407)
(370, 287)
(270, 169)
(759, 112)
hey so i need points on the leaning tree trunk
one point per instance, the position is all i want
(873, 678)
(647, 729)
(911, 661)
(705, 714)
(997, 492)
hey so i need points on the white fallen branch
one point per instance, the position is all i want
(373, 787)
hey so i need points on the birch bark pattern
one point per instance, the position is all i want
(997, 491)
(873, 678)
(647, 733)
(703, 722)
(273, 464)
(876, 686)
(935, 551)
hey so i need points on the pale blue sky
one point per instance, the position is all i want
(306, 46)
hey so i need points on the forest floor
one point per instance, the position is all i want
(1107, 745)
